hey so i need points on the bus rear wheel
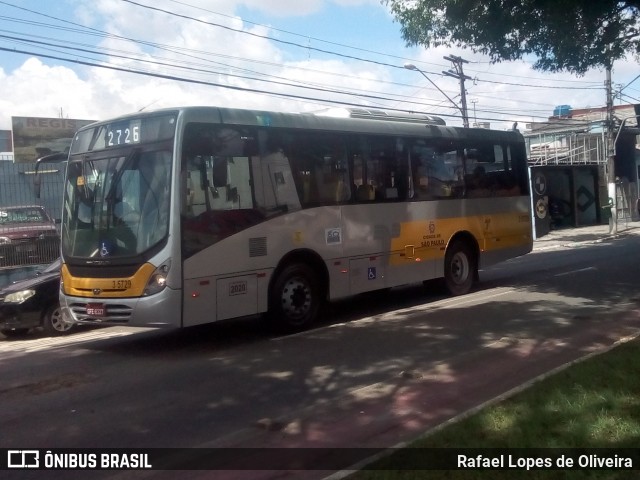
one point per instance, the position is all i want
(460, 268)
(295, 298)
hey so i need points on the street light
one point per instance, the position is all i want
(411, 66)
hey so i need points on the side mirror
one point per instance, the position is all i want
(52, 158)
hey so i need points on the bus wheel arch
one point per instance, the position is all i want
(297, 291)
(461, 263)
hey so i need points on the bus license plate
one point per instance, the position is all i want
(96, 309)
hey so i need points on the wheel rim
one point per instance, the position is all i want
(296, 298)
(460, 268)
(58, 324)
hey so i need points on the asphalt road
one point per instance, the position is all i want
(380, 369)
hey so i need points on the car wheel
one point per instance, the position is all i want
(53, 323)
(18, 332)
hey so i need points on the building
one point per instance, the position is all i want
(568, 159)
(5, 142)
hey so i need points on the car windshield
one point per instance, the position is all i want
(22, 215)
(116, 204)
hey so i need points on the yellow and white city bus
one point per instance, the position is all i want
(192, 215)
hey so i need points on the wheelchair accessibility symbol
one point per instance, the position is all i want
(106, 248)
(371, 273)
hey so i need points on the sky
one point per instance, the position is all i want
(96, 59)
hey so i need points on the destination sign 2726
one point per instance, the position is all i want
(122, 134)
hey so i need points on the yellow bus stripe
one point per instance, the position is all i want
(132, 286)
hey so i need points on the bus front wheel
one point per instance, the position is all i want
(295, 298)
(460, 268)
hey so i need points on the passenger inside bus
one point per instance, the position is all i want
(434, 177)
(477, 184)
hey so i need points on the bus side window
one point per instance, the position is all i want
(319, 165)
(383, 169)
(516, 159)
(278, 180)
(215, 168)
(436, 170)
(489, 172)
(380, 168)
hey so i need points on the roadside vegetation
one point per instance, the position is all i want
(594, 404)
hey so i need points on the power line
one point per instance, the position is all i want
(181, 51)
(96, 32)
(305, 85)
(306, 47)
(22, 40)
(202, 82)
(370, 97)
(636, 78)
(308, 86)
(257, 35)
(632, 98)
(323, 101)
(288, 32)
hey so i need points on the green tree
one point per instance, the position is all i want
(569, 35)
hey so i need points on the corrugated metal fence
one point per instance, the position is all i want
(17, 189)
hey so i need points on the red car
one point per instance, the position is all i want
(28, 235)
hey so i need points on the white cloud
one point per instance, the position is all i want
(291, 8)
(34, 89)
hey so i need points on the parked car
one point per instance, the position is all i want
(28, 235)
(33, 302)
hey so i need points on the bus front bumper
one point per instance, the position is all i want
(160, 310)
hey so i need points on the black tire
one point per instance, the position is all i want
(295, 298)
(18, 332)
(52, 321)
(460, 268)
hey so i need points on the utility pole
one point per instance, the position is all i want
(611, 151)
(459, 74)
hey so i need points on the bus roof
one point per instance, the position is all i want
(354, 120)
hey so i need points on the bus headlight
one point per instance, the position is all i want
(158, 279)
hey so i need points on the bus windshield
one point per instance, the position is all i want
(116, 204)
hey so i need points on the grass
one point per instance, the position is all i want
(592, 404)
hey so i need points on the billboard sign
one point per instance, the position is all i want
(34, 137)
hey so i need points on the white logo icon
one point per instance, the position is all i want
(23, 459)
